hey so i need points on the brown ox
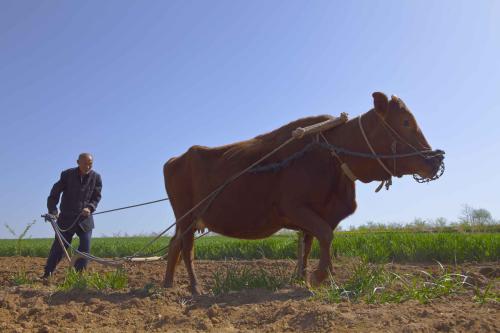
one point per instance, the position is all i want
(309, 193)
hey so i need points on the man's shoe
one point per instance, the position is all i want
(46, 276)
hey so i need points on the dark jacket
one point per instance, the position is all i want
(77, 193)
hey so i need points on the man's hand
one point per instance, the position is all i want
(86, 212)
(56, 215)
(50, 217)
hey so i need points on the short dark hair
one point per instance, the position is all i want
(82, 155)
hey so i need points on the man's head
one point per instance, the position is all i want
(84, 163)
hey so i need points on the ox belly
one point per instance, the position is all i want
(244, 226)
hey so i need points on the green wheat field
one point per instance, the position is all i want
(376, 247)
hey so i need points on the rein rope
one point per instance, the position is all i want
(108, 211)
(388, 182)
(132, 206)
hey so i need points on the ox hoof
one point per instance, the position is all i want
(302, 278)
(317, 277)
(300, 274)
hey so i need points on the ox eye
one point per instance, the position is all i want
(406, 123)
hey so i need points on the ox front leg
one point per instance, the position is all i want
(174, 251)
(188, 257)
(306, 219)
(305, 245)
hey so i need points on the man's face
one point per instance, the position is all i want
(85, 164)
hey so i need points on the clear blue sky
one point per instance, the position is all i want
(137, 82)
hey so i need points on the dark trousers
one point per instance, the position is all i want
(56, 251)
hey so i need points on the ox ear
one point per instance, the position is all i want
(380, 102)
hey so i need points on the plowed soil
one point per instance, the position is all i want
(39, 307)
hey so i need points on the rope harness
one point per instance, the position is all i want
(255, 168)
(336, 151)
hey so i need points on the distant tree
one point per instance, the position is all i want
(371, 225)
(466, 217)
(481, 217)
(395, 225)
(419, 224)
(440, 222)
(476, 219)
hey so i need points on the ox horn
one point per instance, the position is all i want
(320, 127)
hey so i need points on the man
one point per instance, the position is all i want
(81, 192)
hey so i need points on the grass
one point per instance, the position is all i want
(418, 247)
(375, 285)
(368, 283)
(21, 278)
(231, 279)
(376, 247)
(74, 280)
(19, 238)
(486, 295)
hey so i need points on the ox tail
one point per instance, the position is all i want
(178, 184)
(166, 173)
(166, 177)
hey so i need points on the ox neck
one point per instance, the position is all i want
(349, 136)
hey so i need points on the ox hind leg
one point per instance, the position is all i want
(188, 257)
(174, 251)
(306, 219)
(304, 249)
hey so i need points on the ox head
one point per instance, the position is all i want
(396, 131)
